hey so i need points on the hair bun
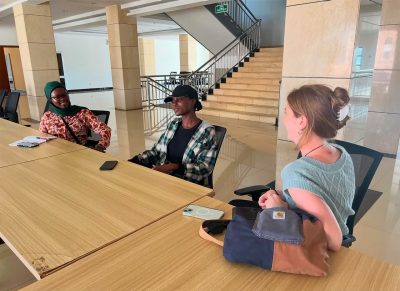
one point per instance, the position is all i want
(340, 100)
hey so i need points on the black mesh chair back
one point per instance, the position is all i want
(3, 94)
(220, 135)
(366, 162)
(10, 110)
(103, 116)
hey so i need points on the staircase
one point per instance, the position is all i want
(252, 90)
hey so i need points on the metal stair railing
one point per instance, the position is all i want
(240, 14)
(224, 61)
(156, 113)
(156, 87)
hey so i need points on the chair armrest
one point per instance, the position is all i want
(252, 190)
(348, 239)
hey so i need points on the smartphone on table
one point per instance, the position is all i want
(108, 165)
(202, 212)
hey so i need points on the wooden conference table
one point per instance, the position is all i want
(10, 132)
(58, 209)
(170, 255)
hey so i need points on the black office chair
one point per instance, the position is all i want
(365, 161)
(3, 94)
(10, 111)
(93, 138)
(220, 135)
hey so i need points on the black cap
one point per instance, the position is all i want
(183, 90)
(188, 91)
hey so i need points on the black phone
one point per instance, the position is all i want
(108, 165)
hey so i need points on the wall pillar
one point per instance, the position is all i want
(147, 56)
(383, 131)
(124, 54)
(38, 52)
(187, 53)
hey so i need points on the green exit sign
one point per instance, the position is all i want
(221, 8)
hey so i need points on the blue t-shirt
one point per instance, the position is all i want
(334, 183)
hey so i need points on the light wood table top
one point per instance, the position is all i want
(10, 132)
(170, 255)
(55, 210)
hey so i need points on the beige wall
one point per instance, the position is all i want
(383, 130)
(319, 44)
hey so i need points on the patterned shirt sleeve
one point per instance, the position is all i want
(43, 122)
(203, 164)
(97, 126)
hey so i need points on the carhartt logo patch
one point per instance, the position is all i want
(278, 215)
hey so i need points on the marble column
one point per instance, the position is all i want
(124, 55)
(319, 43)
(383, 130)
(38, 52)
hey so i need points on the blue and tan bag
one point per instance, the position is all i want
(277, 239)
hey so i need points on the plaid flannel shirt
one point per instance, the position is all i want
(199, 157)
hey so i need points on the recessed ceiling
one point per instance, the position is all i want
(89, 15)
(61, 8)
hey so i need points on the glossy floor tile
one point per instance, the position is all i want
(13, 274)
(247, 157)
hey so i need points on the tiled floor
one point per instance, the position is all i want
(247, 158)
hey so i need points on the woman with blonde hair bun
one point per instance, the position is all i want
(322, 181)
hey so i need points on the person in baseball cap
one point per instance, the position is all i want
(188, 148)
(183, 91)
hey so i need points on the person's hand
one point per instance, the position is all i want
(264, 197)
(100, 148)
(166, 168)
(271, 199)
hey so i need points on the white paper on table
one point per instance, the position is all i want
(32, 138)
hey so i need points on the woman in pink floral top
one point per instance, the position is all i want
(70, 122)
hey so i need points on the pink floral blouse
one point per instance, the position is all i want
(80, 124)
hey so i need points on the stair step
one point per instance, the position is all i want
(274, 88)
(269, 49)
(271, 75)
(265, 118)
(260, 69)
(259, 81)
(273, 102)
(269, 53)
(269, 59)
(247, 93)
(257, 63)
(240, 107)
